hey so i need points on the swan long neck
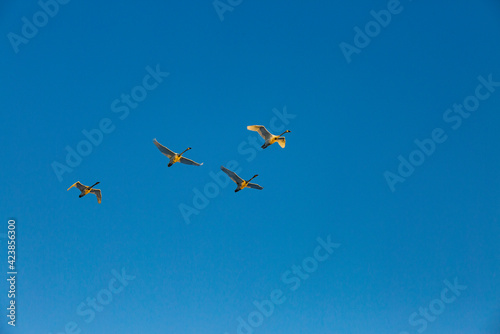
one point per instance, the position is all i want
(253, 177)
(187, 149)
(283, 133)
(92, 186)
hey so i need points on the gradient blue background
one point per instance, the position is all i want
(352, 121)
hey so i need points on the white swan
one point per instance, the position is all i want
(85, 190)
(268, 136)
(239, 181)
(175, 157)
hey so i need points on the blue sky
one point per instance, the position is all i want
(398, 248)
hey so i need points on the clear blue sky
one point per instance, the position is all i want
(350, 123)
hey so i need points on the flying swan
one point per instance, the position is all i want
(175, 157)
(239, 181)
(268, 136)
(85, 190)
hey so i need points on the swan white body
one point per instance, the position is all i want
(268, 136)
(86, 190)
(239, 181)
(175, 157)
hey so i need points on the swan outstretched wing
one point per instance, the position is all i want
(80, 186)
(261, 130)
(163, 149)
(232, 175)
(254, 186)
(189, 162)
(97, 192)
(281, 141)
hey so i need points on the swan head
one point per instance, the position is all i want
(169, 164)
